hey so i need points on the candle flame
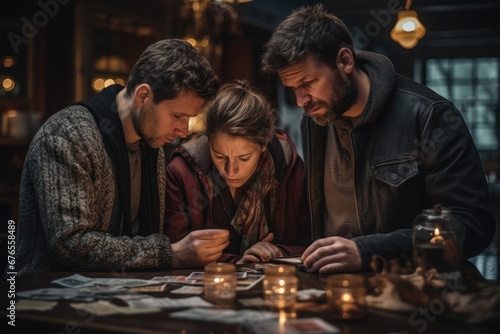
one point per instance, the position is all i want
(282, 318)
(436, 231)
(346, 297)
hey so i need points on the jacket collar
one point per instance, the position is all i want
(382, 81)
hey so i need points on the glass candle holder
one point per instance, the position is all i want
(219, 283)
(280, 287)
(437, 240)
(346, 296)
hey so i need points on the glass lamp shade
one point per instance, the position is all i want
(408, 29)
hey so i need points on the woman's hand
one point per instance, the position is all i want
(262, 251)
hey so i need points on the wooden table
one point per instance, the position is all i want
(64, 319)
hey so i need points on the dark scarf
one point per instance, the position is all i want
(103, 108)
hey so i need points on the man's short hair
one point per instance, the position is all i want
(307, 31)
(171, 65)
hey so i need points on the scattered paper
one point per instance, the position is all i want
(168, 279)
(169, 302)
(149, 289)
(34, 305)
(198, 275)
(307, 294)
(83, 294)
(77, 281)
(252, 302)
(104, 308)
(288, 260)
(189, 290)
(73, 281)
(131, 296)
(249, 283)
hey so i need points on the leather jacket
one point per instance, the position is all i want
(412, 150)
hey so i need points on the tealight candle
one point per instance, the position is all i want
(437, 240)
(280, 287)
(219, 283)
(346, 296)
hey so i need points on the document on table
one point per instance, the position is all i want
(78, 281)
(169, 302)
(105, 308)
(295, 260)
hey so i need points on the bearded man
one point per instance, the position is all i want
(379, 148)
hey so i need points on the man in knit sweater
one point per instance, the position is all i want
(93, 186)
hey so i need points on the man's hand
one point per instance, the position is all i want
(199, 248)
(333, 254)
(261, 251)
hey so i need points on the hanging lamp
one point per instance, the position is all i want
(408, 29)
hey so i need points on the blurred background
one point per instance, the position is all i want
(56, 52)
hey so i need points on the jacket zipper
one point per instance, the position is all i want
(309, 178)
(361, 229)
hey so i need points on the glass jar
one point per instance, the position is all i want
(437, 240)
(346, 296)
(280, 287)
(219, 283)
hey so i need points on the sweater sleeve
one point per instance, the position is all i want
(68, 180)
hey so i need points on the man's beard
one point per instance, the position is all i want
(340, 102)
(144, 129)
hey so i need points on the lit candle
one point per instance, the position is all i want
(280, 287)
(219, 283)
(346, 296)
(437, 240)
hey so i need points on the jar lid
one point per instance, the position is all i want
(283, 270)
(220, 268)
(346, 281)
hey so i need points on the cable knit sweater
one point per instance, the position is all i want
(68, 199)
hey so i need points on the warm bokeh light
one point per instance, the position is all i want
(436, 231)
(346, 297)
(120, 81)
(8, 84)
(8, 61)
(98, 84)
(111, 64)
(108, 82)
(205, 42)
(191, 41)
